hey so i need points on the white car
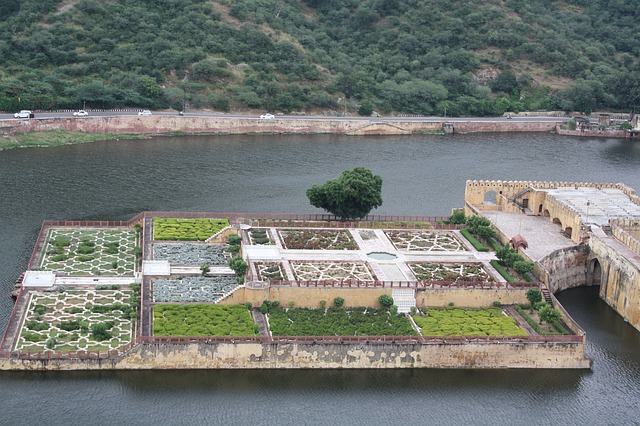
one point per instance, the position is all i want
(267, 116)
(81, 113)
(25, 113)
(145, 112)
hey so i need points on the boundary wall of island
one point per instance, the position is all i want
(557, 352)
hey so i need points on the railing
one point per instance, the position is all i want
(427, 284)
(350, 340)
(303, 340)
(12, 318)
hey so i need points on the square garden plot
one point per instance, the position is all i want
(338, 322)
(172, 229)
(65, 321)
(191, 254)
(332, 271)
(193, 289)
(260, 236)
(317, 239)
(268, 271)
(467, 322)
(203, 320)
(89, 251)
(426, 241)
(450, 272)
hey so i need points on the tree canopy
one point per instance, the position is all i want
(477, 57)
(353, 195)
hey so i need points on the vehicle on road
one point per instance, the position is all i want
(267, 116)
(25, 113)
(81, 113)
(145, 112)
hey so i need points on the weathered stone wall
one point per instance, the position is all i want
(158, 124)
(502, 126)
(608, 133)
(311, 297)
(564, 268)
(267, 356)
(620, 281)
(628, 232)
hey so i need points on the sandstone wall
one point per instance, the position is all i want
(620, 285)
(290, 355)
(158, 124)
(311, 297)
(608, 133)
(564, 268)
(502, 126)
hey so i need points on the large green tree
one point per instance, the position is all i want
(353, 195)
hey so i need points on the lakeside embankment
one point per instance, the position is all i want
(58, 131)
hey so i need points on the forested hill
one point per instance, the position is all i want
(474, 57)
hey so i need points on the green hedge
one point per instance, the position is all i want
(495, 245)
(467, 322)
(338, 322)
(529, 320)
(536, 326)
(496, 264)
(203, 320)
(173, 229)
(477, 244)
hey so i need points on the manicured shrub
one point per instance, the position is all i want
(59, 258)
(36, 325)
(84, 258)
(476, 244)
(204, 269)
(234, 239)
(338, 302)
(30, 336)
(100, 331)
(385, 300)
(39, 309)
(61, 242)
(457, 217)
(502, 271)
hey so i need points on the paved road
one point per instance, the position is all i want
(290, 117)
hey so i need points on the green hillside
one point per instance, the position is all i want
(477, 57)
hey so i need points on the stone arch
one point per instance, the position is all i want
(545, 213)
(594, 272)
(557, 221)
(568, 231)
(490, 197)
(540, 207)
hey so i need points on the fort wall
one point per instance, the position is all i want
(456, 354)
(620, 277)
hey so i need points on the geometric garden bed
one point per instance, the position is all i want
(89, 251)
(88, 320)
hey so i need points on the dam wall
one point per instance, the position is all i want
(161, 124)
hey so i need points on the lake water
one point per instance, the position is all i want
(421, 175)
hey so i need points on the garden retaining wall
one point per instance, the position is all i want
(309, 355)
(354, 297)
